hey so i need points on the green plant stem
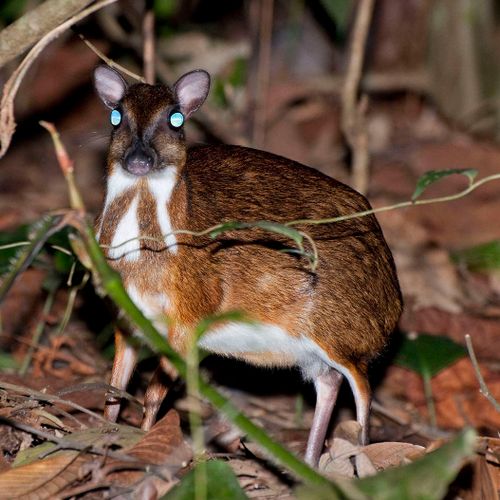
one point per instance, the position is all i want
(112, 284)
(41, 232)
(429, 399)
(49, 301)
(403, 204)
(482, 384)
(193, 388)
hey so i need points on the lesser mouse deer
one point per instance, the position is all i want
(329, 323)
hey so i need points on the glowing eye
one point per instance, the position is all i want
(116, 117)
(176, 119)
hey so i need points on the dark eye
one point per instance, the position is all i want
(115, 118)
(176, 119)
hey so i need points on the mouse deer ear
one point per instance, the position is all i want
(110, 85)
(191, 90)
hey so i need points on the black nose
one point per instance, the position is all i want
(139, 160)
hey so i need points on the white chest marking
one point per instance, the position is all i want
(125, 242)
(118, 182)
(153, 306)
(161, 186)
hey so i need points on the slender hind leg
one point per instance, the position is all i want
(327, 389)
(156, 392)
(360, 388)
(123, 367)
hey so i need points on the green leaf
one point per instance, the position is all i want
(215, 477)
(276, 227)
(238, 76)
(20, 234)
(165, 9)
(484, 257)
(435, 175)
(10, 10)
(339, 11)
(7, 362)
(427, 354)
(424, 479)
(218, 93)
(228, 226)
(124, 436)
(213, 319)
(39, 233)
(272, 227)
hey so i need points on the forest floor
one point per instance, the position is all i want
(442, 297)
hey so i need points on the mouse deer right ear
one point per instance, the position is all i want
(110, 85)
(191, 90)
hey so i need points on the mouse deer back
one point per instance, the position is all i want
(329, 322)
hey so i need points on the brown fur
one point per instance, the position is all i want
(348, 306)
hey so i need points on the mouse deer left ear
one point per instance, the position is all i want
(110, 85)
(191, 90)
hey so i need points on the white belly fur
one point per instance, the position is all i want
(239, 338)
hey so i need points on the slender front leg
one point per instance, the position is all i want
(156, 391)
(327, 389)
(123, 367)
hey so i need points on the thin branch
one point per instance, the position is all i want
(482, 384)
(67, 444)
(7, 121)
(109, 61)
(353, 112)
(37, 334)
(28, 29)
(402, 204)
(49, 398)
(148, 34)
(263, 75)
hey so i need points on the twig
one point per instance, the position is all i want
(263, 71)
(67, 444)
(49, 398)
(49, 301)
(7, 121)
(482, 384)
(110, 62)
(353, 112)
(441, 199)
(28, 29)
(71, 304)
(148, 33)
(66, 165)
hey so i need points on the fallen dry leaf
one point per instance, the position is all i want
(345, 456)
(392, 454)
(456, 394)
(163, 447)
(484, 484)
(42, 479)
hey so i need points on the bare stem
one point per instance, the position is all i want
(403, 204)
(110, 62)
(148, 34)
(266, 14)
(353, 112)
(482, 384)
